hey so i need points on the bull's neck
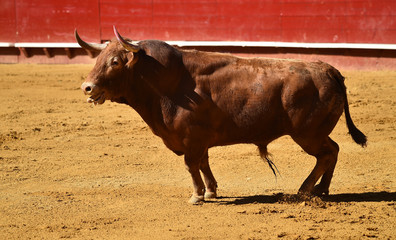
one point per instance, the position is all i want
(147, 103)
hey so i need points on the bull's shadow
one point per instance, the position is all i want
(338, 198)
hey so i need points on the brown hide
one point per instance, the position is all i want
(195, 100)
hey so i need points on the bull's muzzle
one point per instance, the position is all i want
(96, 95)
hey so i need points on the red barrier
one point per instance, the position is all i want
(331, 21)
(305, 21)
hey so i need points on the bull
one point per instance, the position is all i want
(194, 100)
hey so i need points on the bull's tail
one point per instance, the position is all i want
(356, 134)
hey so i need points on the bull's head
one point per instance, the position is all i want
(107, 79)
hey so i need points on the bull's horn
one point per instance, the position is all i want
(127, 45)
(96, 47)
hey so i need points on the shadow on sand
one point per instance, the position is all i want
(338, 198)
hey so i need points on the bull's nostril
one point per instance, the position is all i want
(88, 89)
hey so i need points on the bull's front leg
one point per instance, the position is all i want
(193, 165)
(210, 181)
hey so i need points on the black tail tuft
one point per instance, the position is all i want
(265, 156)
(356, 134)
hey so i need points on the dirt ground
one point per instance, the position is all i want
(70, 170)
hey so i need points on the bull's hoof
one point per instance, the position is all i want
(210, 195)
(303, 193)
(320, 191)
(195, 200)
(302, 196)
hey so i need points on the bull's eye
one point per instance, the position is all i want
(115, 62)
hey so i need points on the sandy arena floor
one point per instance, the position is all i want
(70, 170)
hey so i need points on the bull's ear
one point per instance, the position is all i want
(132, 59)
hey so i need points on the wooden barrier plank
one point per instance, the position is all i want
(55, 21)
(7, 21)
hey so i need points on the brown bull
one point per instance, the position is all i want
(195, 100)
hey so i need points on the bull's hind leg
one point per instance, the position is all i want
(210, 181)
(323, 186)
(326, 153)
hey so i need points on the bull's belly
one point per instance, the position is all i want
(258, 135)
